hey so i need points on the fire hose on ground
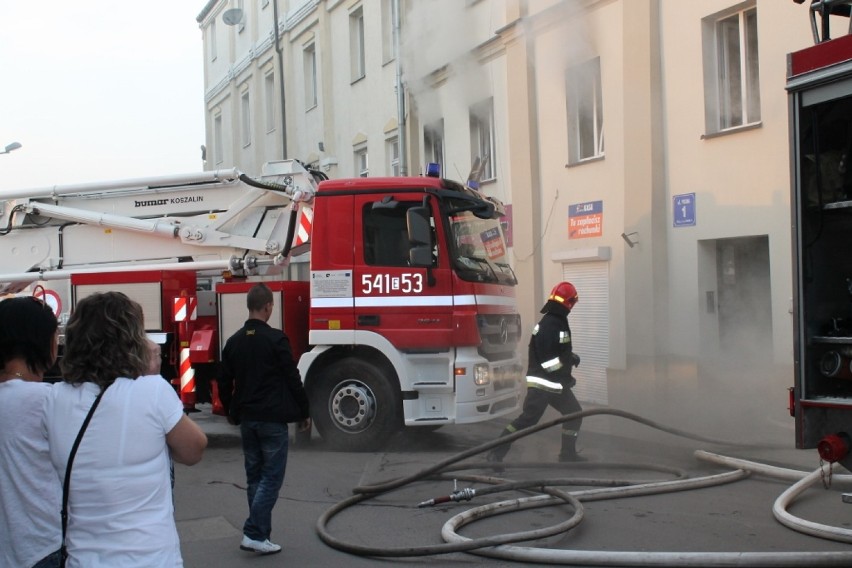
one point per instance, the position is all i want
(502, 546)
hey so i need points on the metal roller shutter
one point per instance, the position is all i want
(589, 322)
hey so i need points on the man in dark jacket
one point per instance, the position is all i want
(261, 390)
(549, 378)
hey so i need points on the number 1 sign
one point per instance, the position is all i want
(684, 210)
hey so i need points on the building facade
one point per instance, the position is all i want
(642, 146)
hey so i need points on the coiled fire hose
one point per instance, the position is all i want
(500, 546)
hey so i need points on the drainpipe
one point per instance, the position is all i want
(280, 81)
(400, 93)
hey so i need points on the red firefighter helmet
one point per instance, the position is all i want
(565, 294)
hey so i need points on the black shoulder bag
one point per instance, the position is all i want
(67, 482)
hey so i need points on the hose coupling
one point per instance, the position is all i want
(465, 494)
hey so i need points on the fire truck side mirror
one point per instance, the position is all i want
(484, 211)
(420, 237)
(421, 256)
(419, 228)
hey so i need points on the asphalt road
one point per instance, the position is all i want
(732, 518)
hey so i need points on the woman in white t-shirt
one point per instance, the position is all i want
(120, 504)
(30, 493)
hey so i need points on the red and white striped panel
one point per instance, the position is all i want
(187, 376)
(186, 307)
(303, 233)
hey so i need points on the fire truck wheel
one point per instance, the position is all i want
(355, 405)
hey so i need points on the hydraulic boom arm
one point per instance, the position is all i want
(213, 220)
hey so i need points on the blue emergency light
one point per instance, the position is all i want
(433, 170)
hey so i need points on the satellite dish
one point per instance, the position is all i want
(233, 16)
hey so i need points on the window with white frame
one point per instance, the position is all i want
(269, 100)
(731, 73)
(309, 58)
(387, 31)
(393, 155)
(482, 143)
(218, 148)
(356, 44)
(585, 111)
(362, 165)
(245, 118)
(433, 143)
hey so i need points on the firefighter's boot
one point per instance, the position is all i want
(569, 447)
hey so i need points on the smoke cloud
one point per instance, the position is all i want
(447, 27)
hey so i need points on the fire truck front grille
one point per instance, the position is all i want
(506, 377)
(500, 334)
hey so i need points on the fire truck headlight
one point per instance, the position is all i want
(481, 374)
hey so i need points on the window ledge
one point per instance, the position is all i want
(735, 129)
(586, 161)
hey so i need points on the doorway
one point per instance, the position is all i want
(744, 299)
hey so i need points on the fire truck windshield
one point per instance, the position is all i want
(479, 250)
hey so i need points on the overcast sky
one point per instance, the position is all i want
(99, 89)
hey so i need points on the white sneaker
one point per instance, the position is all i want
(259, 546)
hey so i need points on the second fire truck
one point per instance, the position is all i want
(819, 83)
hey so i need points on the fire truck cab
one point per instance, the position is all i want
(411, 301)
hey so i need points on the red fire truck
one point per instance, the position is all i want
(406, 314)
(819, 83)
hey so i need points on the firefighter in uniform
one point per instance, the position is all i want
(549, 378)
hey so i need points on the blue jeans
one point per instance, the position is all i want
(265, 450)
(52, 560)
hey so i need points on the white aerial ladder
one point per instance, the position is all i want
(217, 220)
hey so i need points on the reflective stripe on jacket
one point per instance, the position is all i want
(543, 384)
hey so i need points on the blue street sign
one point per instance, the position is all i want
(684, 210)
